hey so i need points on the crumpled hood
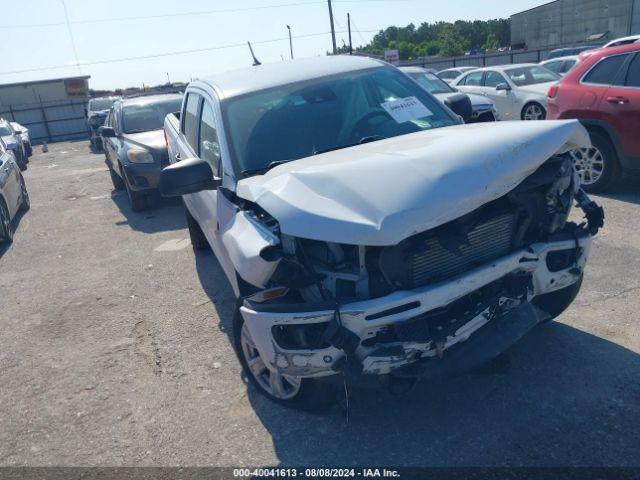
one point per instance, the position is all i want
(382, 192)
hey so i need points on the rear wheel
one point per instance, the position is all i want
(597, 166)
(6, 230)
(533, 111)
(294, 392)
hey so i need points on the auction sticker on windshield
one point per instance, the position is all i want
(406, 109)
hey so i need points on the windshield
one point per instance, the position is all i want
(297, 120)
(98, 104)
(431, 82)
(148, 116)
(523, 76)
(4, 131)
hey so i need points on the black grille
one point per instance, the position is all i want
(487, 241)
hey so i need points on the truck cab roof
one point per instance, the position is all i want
(261, 77)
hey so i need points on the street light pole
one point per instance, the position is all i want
(290, 41)
(333, 29)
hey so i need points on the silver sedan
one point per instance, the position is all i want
(13, 193)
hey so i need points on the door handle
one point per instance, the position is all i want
(618, 100)
(178, 157)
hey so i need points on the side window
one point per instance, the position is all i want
(450, 75)
(605, 71)
(567, 65)
(474, 79)
(190, 123)
(633, 75)
(492, 79)
(555, 67)
(209, 146)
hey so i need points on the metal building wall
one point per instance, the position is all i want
(566, 22)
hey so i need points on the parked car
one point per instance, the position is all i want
(13, 192)
(622, 41)
(368, 235)
(475, 51)
(450, 74)
(13, 142)
(560, 65)
(566, 51)
(135, 147)
(24, 135)
(95, 114)
(518, 91)
(603, 92)
(482, 108)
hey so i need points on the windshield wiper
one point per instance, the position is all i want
(261, 170)
(369, 139)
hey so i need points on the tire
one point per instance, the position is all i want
(598, 167)
(310, 395)
(198, 239)
(25, 204)
(555, 303)
(6, 229)
(116, 180)
(138, 200)
(533, 109)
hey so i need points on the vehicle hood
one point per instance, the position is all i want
(537, 89)
(153, 140)
(382, 192)
(9, 140)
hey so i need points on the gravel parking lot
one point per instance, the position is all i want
(115, 351)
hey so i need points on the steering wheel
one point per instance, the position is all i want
(363, 122)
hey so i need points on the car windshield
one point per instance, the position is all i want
(298, 120)
(100, 104)
(523, 76)
(432, 83)
(4, 131)
(145, 117)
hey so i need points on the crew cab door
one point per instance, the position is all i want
(621, 103)
(199, 127)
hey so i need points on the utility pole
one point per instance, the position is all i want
(333, 28)
(290, 41)
(349, 28)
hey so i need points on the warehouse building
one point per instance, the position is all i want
(52, 110)
(569, 22)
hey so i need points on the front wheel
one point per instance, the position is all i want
(598, 166)
(533, 111)
(6, 230)
(305, 394)
(198, 239)
(116, 180)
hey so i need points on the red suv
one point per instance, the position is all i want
(603, 92)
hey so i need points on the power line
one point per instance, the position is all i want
(168, 54)
(73, 42)
(187, 14)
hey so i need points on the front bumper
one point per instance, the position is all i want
(143, 176)
(366, 319)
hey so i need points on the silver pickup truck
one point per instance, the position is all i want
(369, 236)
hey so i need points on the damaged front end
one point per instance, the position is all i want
(437, 303)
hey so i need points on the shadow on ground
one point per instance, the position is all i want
(566, 398)
(167, 214)
(626, 190)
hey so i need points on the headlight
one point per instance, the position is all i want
(139, 156)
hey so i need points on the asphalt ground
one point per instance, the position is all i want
(115, 350)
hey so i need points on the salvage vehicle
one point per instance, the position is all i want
(13, 142)
(134, 145)
(24, 135)
(95, 115)
(482, 108)
(13, 192)
(518, 91)
(370, 237)
(603, 92)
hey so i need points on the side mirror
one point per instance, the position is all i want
(18, 132)
(191, 175)
(503, 86)
(460, 104)
(108, 132)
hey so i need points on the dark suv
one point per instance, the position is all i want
(603, 92)
(135, 147)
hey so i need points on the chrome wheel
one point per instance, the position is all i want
(533, 112)
(589, 164)
(279, 386)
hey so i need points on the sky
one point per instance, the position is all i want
(36, 34)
